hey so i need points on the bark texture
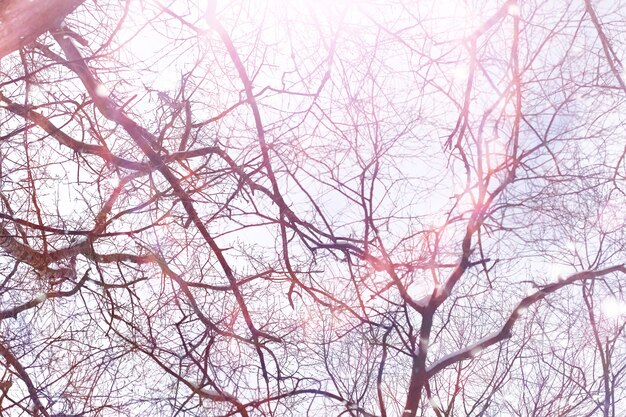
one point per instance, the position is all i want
(22, 21)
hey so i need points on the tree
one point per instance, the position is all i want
(359, 208)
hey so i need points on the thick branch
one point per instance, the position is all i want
(14, 311)
(21, 371)
(149, 146)
(23, 21)
(606, 45)
(506, 331)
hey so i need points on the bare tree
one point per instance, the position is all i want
(349, 208)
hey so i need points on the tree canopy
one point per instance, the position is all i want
(334, 208)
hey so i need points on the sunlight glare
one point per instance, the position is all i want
(41, 297)
(475, 352)
(461, 73)
(613, 308)
(102, 91)
(559, 272)
(514, 10)
(435, 404)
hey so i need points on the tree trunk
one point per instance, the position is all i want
(22, 21)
